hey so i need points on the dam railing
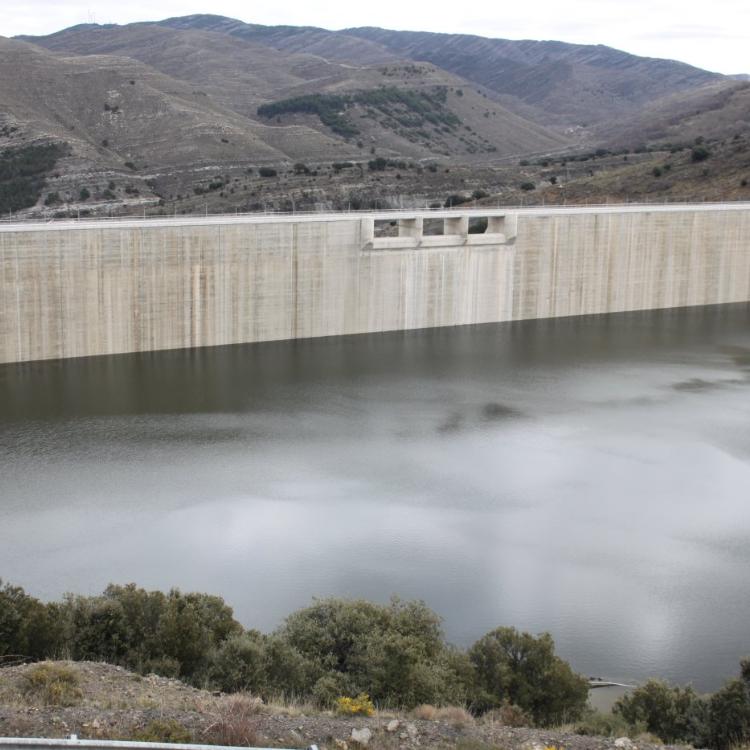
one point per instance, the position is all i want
(467, 210)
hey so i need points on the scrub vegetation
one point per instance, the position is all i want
(23, 173)
(393, 654)
(347, 656)
(404, 110)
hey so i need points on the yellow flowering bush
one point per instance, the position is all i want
(359, 706)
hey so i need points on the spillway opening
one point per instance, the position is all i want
(433, 227)
(386, 228)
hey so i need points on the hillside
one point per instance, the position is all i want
(557, 82)
(572, 83)
(716, 110)
(207, 113)
(242, 74)
(100, 701)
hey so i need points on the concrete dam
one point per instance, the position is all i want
(82, 288)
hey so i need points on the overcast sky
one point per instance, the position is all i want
(713, 35)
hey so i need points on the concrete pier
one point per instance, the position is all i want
(70, 289)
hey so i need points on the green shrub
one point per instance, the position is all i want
(52, 685)
(267, 172)
(699, 153)
(328, 689)
(23, 173)
(456, 199)
(28, 628)
(729, 713)
(84, 194)
(378, 164)
(673, 714)
(528, 186)
(600, 724)
(164, 730)
(173, 634)
(239, 664)
(400, 108)
(396, 652)
(523, 670)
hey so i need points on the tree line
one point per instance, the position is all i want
(396, 652)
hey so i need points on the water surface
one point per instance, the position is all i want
(586, 476)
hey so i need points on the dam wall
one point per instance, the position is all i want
(71, 289)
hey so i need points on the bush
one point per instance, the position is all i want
(699, 153)
(523, 670)
(395, 653)
(359, 706)
(174, 634)
(673, 714)
(84, 194)
(239, 664)
(599, 724)
(729, 713)
(528, 186)
(508, 715)
(234, 721)
(28, 628)
(456, 199)
(267, 172)
(164, 730)
(23, 173)
(52, 685)
(425, 712)
(377, 165)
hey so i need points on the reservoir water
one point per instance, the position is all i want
(589, 477)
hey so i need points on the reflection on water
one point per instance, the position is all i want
(584, 476)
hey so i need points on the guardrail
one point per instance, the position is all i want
(40, 743)
(469, 208)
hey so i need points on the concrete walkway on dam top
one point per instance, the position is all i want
(133, 222)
